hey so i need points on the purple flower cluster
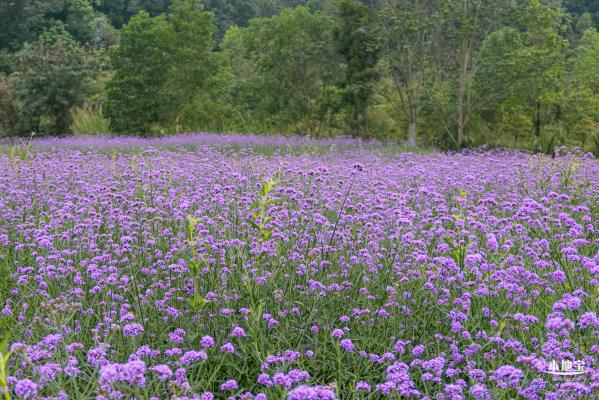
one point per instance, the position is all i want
(132, 373)
(25, 389)
(203, 267)
(311, 393)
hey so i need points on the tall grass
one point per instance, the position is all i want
(88, 120)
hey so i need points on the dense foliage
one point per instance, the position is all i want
(447, 73)
(223, 267)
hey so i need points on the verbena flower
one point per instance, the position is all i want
(231, 384)
(311, 393)
(26, 389)
(133, 329)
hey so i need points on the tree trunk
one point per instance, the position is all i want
(359, 121)
(61, 123)
(538, 120)
(464, 66)
(412, 130)
(461, 114)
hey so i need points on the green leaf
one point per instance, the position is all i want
(254, 225)
(255, 204)
(267, 234)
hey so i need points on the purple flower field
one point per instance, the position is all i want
(180, 269)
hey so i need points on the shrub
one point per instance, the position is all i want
(88, 121)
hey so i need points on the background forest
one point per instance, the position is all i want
(444, 73)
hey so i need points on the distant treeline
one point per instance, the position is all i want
(446, 73)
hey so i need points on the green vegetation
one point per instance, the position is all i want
(52, 77)
(445, 73)
(285, 69)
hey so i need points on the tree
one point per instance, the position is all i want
(79, 16)
(52, 78)
(586, 62)
(289, 69)
(193, 59)
(120, 11)
(8, 106)
(587, 10)
(200, 77)
(161, 63)
(583, 22)
(228, 13)
(141, 63)
(357, 42)
(582, 91)
(23, 21)
(463, 26)
(521, 68)
(407, 28)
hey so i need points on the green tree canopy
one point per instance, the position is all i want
(52, 76)
(141, 62)
(160, 64)
(286, 68)
(25, 20)
(356, 40)
(522, 66)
